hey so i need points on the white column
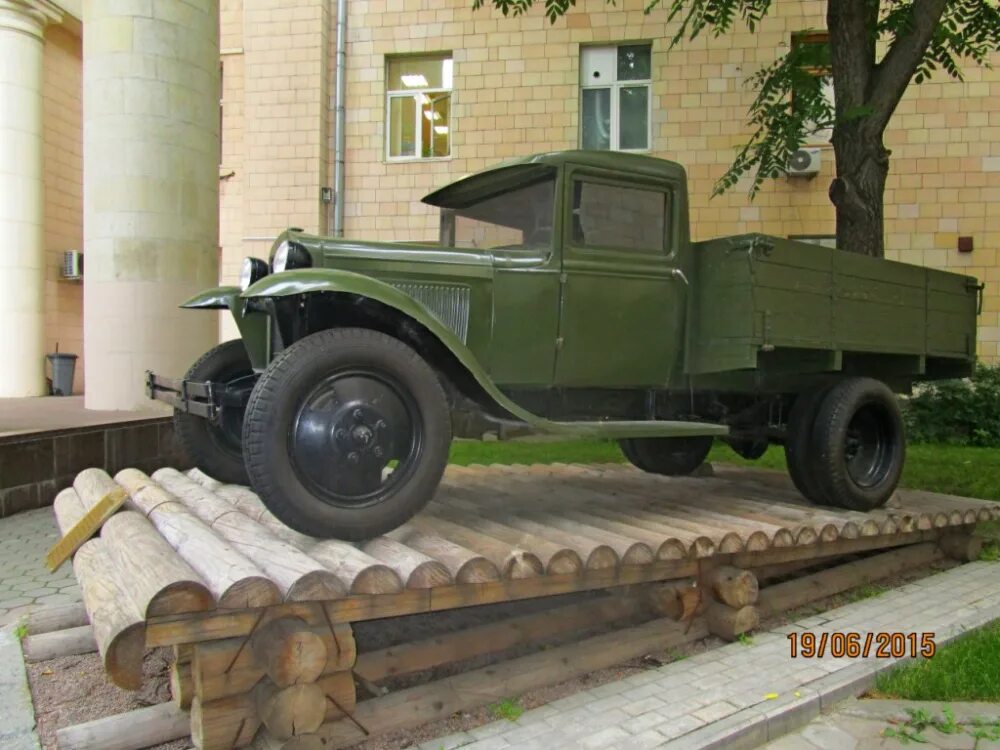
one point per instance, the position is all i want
(150, 190)
(22, 252)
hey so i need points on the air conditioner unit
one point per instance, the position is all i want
(804, 163)
(72, 265)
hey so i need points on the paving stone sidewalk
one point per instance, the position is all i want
(25, 582)
(862, 724)
(743, 696)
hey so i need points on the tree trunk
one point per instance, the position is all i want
(858, 191)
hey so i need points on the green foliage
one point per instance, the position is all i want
(865, 591)
(745, 639)
(920, 720)
(966, 670)
(21, 631)
(957, 412)
(509, 709)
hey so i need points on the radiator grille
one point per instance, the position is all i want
(449, 304)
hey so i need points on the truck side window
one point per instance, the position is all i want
(616, 216)
(516, 219)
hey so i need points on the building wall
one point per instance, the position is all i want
(63, 176)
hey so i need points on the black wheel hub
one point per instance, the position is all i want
(355, 436)
(868, 447)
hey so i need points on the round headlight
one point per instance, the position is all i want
(253, 270)
(289, 255)
(280, 260)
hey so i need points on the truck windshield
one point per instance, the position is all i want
(518, 219)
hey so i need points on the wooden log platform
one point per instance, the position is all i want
(260, 615)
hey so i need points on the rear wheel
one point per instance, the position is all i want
(215, 447)
(799, 453)
(672, 456)
(347, 434)
(859, 444)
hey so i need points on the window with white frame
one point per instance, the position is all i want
(418, 106)
(615, 97)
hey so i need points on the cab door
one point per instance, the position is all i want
(622, 298)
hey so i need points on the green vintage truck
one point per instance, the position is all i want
(563, 296)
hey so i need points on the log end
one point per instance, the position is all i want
(428, 575)
(179, 598)
(565, 562)
(602, 557)
(521, 564)
(317, 586)
(377, 579)
(672, 549)
(638, 554)
(123, 657)
(477, 570)
(732, 543)
(250, 593)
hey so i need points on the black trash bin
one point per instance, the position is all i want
(63, 366)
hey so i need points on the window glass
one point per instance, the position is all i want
(513, 220)
(419, 93)
(402, 126)
(634, 63)
(619, 217)
(634, 117)
(615, 96)
(596, 118)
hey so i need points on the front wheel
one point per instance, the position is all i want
(347, 434)
(859, 444)
(672, 456)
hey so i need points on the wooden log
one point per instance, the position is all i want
(286, 712)
(493, 637)
(465, 565)
(556, 559)
(693, 544)
(664, 599)
(117, 622)
(235, 581)
(734, 586)
(230, 666)
(160, 581)
(56, 617)
(362, 573)
(298, 576)
(225, 723)
(204, 479)
(728, 622)
(514, 563)
(785, 596)
(93, 484)
(69, 509)
(415, 569)
(264, 741)
(289, 652)
(233, 721)
(182, 684)
(133, 730)
(439, 699)
(167, 631)
(964, 547)
(68, 642)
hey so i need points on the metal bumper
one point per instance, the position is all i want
(187, 396)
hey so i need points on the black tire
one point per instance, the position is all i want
(327, 419)
(799, 453)
(215, 448)
(671, 456)
(859, 443)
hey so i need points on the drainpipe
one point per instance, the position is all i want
(338, 144)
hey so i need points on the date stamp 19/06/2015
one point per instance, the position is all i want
(881, 645)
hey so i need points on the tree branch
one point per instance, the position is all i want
(892, 75)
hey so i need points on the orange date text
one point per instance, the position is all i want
(881, 645)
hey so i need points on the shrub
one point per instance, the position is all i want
(961, 412)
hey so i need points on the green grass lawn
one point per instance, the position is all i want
(954, 470)
(966, 670)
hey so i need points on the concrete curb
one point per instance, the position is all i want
(766, 722)
(17, 732)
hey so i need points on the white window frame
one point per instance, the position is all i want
(616, 86)
(417, 94)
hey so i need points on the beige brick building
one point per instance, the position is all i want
(435, 90)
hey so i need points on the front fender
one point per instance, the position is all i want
(220, 298)
(310, 280)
